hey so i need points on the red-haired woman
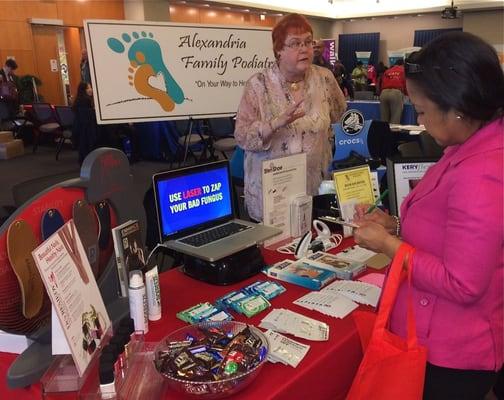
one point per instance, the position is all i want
(288, 109)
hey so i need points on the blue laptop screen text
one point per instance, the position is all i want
(193, 199)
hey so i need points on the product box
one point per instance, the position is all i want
(11, 149)
(344, 269)
(302, 273)
(6, 136)
(129, 251)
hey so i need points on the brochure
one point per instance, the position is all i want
(71, 286)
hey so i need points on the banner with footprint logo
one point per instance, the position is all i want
(160, 71)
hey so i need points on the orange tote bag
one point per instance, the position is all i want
(392, 367)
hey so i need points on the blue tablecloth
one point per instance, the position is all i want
(371, 110)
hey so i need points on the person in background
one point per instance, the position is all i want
(453, 218)
(8, 87)
(393, 89)
(359, 76)
(371, 74)
(318, 58)
(287, 109)
(84, 67)
(85, 130)
(380, 69)
(344, 80)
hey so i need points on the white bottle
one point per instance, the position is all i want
(138, 301)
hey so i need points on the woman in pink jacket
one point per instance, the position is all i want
(454, 218)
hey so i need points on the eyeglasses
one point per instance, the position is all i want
(296, 44)
(410, 68)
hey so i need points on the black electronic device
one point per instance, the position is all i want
(450, 12)
(227, 270)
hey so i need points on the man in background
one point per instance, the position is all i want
(393, 89)
(84, 67)
(8, 86)
(318, 58)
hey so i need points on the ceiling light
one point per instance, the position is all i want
(246, 10)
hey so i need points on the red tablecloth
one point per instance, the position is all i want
(325, 373)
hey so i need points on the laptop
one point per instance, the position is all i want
(196, 215)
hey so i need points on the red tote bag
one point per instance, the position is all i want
(392, 367)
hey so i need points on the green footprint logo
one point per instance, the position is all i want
(146, 61)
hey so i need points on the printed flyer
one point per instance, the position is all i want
(71, 286)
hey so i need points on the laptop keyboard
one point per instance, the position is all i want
(214, 234)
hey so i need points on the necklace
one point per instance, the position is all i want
(295, 85)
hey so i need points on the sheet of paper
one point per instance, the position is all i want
(373, 279)
(285, 350)
(287, 321)
(332, 304)
(360, 292)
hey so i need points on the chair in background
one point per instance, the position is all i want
(410, 149)
(191, 139)
(363, 95)
(65, 117)
(45, 122)
(222, 131)
(10, 122)
(237, 181)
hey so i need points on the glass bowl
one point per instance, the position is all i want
(211, 389)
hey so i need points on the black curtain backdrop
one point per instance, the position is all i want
(422, 37)
(348, 44)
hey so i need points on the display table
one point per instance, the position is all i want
(371, 111)
(325, 373)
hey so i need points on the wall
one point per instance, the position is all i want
(395, 33)
(399, 32)
(196, 15)
(488, 25)
(16, 33)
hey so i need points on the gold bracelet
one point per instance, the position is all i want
(398, 225)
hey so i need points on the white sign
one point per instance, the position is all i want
(54, 65)
(282, 180)
(161, 71)
(71, 286)
(406, 176)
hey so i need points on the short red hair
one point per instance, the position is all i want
(291, 23)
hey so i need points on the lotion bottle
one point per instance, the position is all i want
(138, 301)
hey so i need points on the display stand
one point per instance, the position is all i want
(105, 175)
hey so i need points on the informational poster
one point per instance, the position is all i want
(403, 176)
(76, 299)
(353, 186)
(329, 53)
(152, 71)
(282, 180)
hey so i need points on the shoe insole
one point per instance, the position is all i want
(68, 236)
(20, 243)
(52, 220)
(87, 226)
(103, 212)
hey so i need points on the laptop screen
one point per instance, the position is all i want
(192, 199)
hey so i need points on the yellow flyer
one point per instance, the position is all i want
(354, 185)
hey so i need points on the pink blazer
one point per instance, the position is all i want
(454, 218)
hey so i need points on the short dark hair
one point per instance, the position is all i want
(462, 72)
(359, 63)
(12, 64)
(399, 61)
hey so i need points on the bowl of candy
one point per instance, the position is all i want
(211, 360)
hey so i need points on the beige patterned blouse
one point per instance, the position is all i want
(266, 96)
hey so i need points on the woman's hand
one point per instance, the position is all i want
(374, 236)
(292, 113)
(377, 216)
